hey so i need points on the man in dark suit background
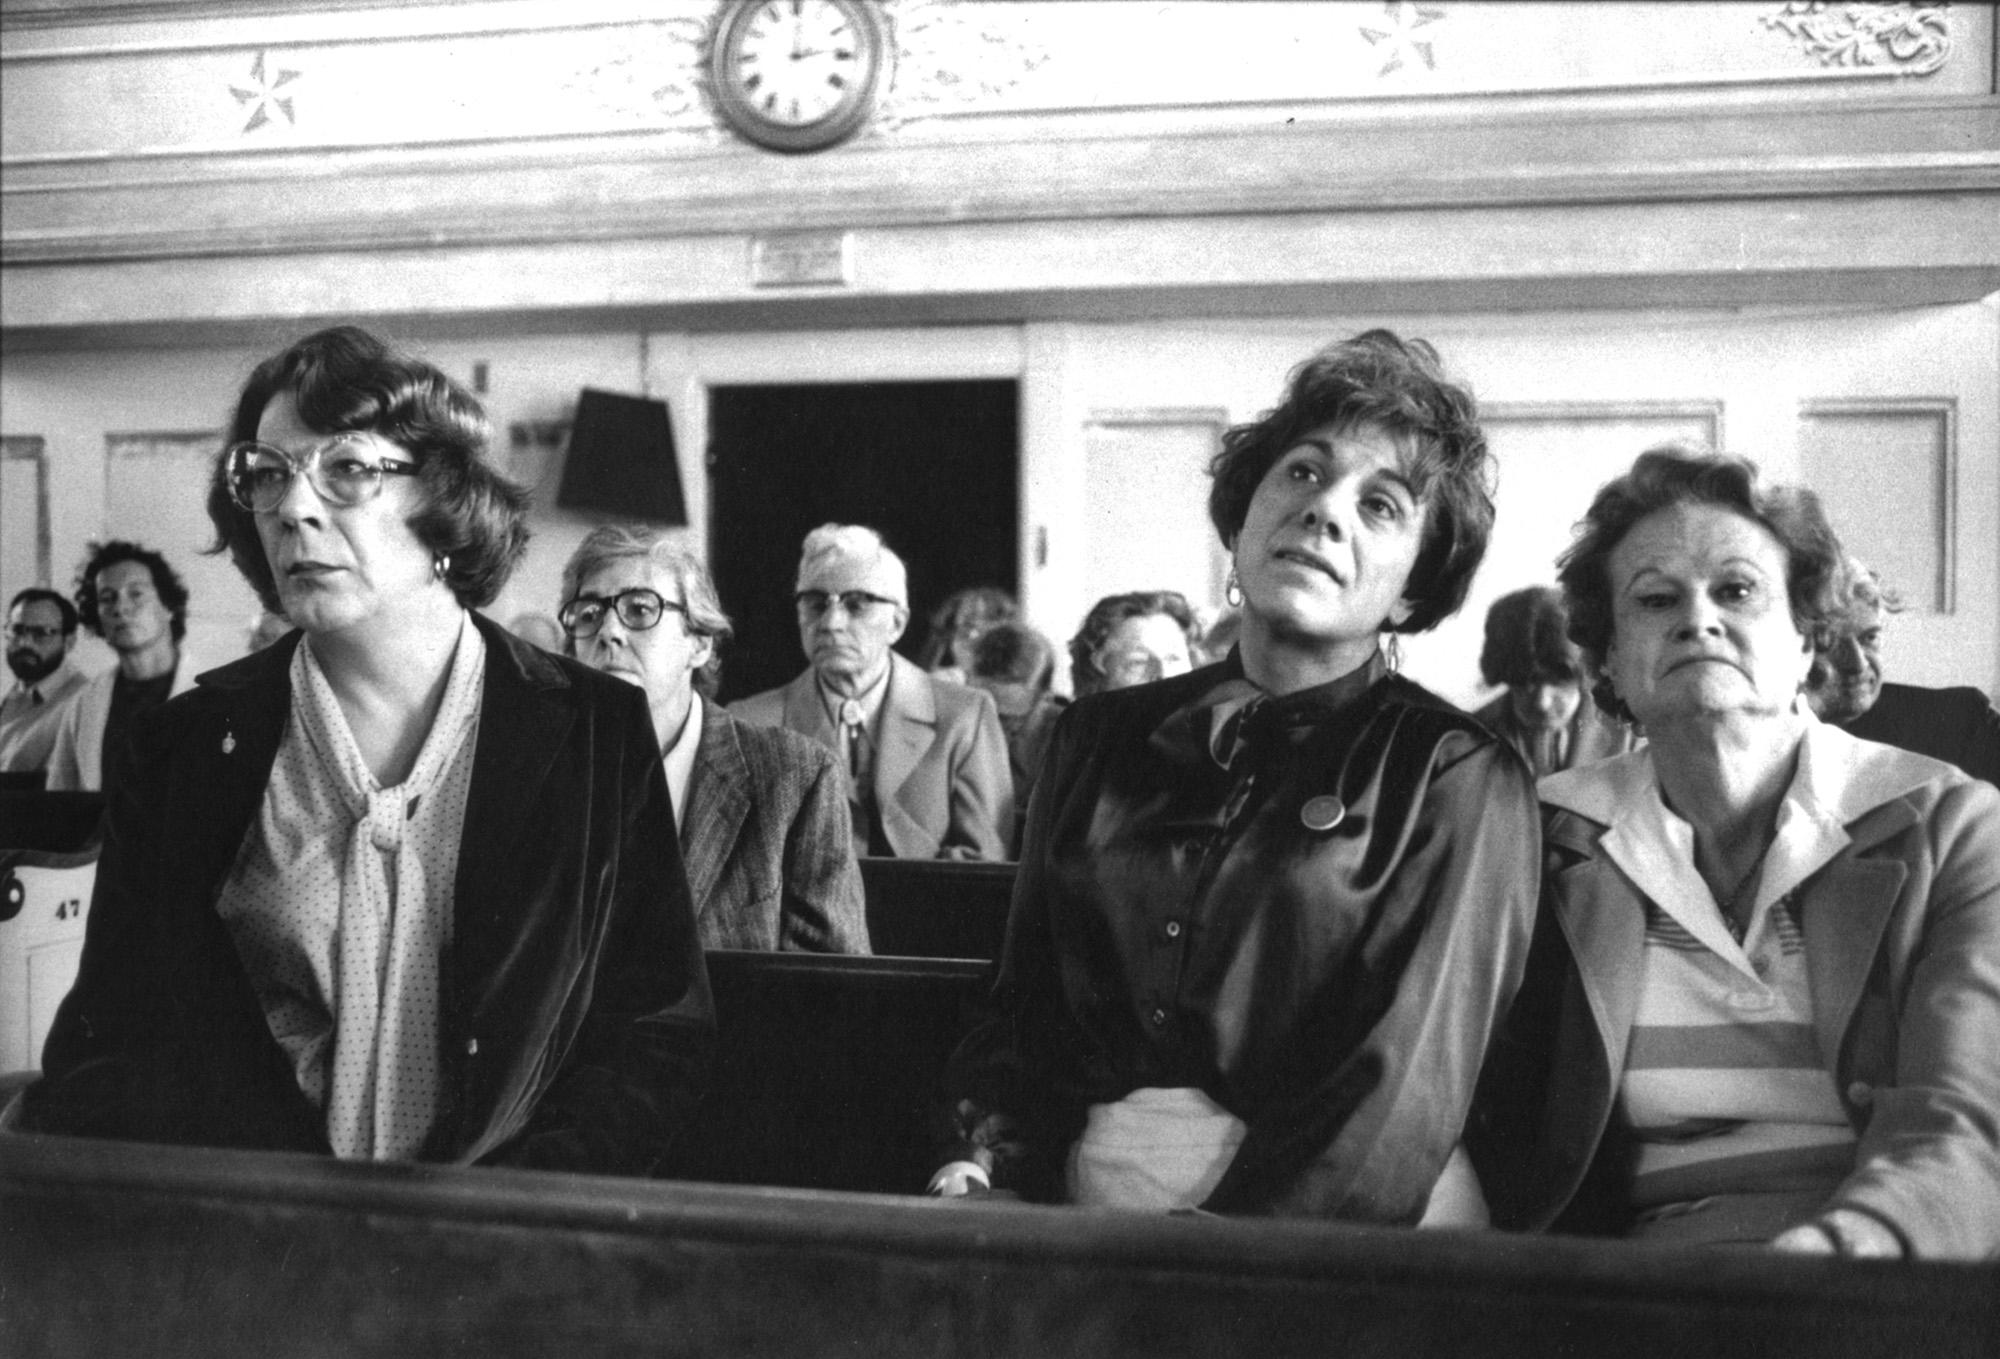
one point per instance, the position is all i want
(1958, 726)
(926, 758)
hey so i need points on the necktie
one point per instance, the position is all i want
(854, 733)
(34, 698)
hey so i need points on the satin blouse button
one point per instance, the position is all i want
(1159, 1017)
(1861, 1093)
(1173, 929)
(472, 1047)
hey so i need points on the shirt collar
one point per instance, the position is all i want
(870, 699)
(1213, 726)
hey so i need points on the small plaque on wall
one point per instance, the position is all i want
(795, 259)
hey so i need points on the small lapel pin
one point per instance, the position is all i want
(1322, 813)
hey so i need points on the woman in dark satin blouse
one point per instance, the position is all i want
(1268, 912)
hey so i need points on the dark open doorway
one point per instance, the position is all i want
(932, 465)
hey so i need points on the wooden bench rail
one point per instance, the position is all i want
(112, 1248)
(937, 908)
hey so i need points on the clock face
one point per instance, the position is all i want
(797, 75)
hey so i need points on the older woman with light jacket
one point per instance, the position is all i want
(1763, 1004)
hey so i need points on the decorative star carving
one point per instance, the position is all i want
(1404, 19)
(263, 96)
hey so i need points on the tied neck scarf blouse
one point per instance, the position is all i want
(1313, 909)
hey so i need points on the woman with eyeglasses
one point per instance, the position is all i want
(1269, 912)
(1132, 639)
(761, 811)
(390, 888)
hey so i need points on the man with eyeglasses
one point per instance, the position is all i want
(129, 596)
(926, 759)
(41, 634)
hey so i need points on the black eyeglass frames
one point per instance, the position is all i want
(637, 608)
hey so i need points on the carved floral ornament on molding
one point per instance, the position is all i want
(951, 58)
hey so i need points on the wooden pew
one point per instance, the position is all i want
(827, 1069)
(114, 1249)
(936, 908)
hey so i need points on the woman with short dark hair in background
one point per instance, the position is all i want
(1764, 1000)
(392, 887)
(1268, 912)
(1546, 713)
(762, 812)
(957, 625)
(1132, 639)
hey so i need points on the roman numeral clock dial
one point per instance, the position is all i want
(798, 75)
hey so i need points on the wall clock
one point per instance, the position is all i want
(799, 75)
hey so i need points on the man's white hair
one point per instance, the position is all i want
(862, 547)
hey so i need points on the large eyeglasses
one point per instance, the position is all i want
(637, 608)
(815, 603)
(344, 470)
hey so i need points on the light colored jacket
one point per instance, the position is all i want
(942, 784)
(77, 763)
(1902, 940)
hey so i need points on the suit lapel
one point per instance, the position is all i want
(1602, 917)
(521, 731)
(718, 802)
(1846, 907)
(906, 732)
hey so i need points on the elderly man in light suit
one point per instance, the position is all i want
(927, 759)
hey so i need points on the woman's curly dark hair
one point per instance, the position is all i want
(343, 379)
(1679, 474)
(1398, 386)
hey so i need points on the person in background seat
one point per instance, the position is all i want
(1016, 664)
(1958, 726)
(926, 759)
(956, 627)
(129, 596)
(1546, 714)
(1132, 639)
(41, 635)
(393, 887)
(762, 812)
(1764, 998)
(1269, 913)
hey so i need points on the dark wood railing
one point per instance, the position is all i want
(109, 1249)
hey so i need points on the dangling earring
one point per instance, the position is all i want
(440, 567)
(1232, 591)
(1392, 653)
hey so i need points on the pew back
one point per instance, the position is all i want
(121, 1249)
(936, 908)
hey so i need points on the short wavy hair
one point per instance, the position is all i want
(1399, 386)
(345, 378)
(608, 543)
(1860, 594)
(1014, 653)
(984, 604)
(1527, 640)
(1106, 614)
(167, 583)
(42, 594)
(1683, 474)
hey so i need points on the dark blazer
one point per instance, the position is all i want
(768, 844)
(1958, 726)
(575, 1017)
(941, 780)
(1902, 944)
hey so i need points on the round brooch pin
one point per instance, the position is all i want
(1322, 813)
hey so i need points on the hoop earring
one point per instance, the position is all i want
(440, 567)
(1232, 591)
